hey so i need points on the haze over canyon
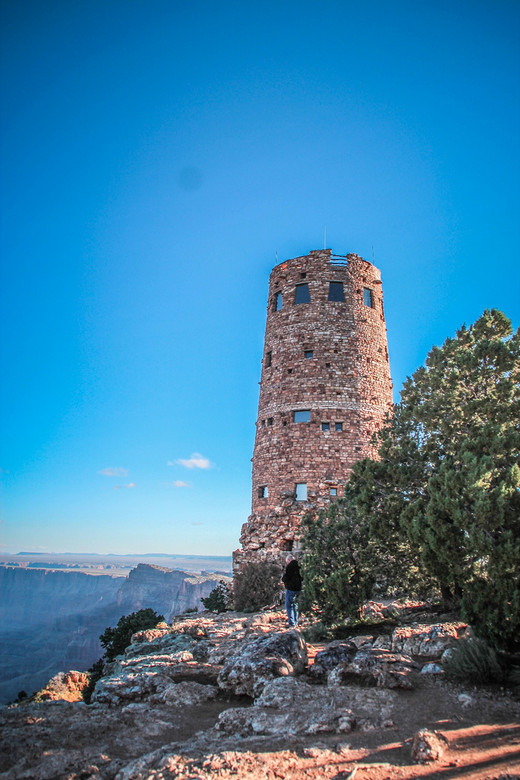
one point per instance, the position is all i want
(53, 608)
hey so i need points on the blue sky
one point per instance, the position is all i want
(156, 159)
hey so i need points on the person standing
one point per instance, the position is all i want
(292, 581)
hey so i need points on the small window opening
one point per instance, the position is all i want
(334, 491)
(287, 545)
(268, 359)
(336, 292)
(325, 426)
(263, 491)
(368, 297)
(278, 301)
(289, 370)
(301, 491)
(308, 353)
(302, 294)
(303, 275)
(303, 415)
(327, 365)
(338, 426)
(270, 420)
(263, 423)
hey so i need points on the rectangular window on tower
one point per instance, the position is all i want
(336, 292)
(268, 359)
(368, 297)
(263, 491)
(302, 294)
(303, 415)
(301, 491)
(308, 353)
(278, 301)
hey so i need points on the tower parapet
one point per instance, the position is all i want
(325, 389)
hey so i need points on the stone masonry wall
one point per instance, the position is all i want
(328, 358)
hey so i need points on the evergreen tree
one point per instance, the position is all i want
(337, 571)
(256, 586)
(116, 640)
(448, 477)
(220, 598)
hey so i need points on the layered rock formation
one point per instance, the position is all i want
(32, 597)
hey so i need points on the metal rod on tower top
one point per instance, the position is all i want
(325, 237)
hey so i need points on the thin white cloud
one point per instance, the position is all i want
(196, 461)
(119, 487)
(180, 483)
(197, 522)
(116, 471)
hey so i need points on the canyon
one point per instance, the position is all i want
(51, 620)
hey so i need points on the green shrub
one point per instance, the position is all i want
(338, 565)
(255, 586)
(116, 640)
(219, 600)
(317, 632)
(447, 479)
(473, 661)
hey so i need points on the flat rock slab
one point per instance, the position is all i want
(375, 666)
(290, 706)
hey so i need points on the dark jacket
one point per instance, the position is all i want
(292, 578)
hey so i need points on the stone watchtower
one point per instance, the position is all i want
(325, 389)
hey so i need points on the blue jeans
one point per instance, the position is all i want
(291, 606)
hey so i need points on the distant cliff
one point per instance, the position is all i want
(51, 620)
(32, 597)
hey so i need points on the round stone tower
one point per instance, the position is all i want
(325, 389)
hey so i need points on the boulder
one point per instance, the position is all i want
(129, 686)
(425, 640)
(263, 659)
(373, 666)
(432, 668)
(140, 677)
(376, 610)
(428, 746)
(201, 650)
(335, 653)
(159, 642)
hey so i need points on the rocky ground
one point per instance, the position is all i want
(241, 696)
